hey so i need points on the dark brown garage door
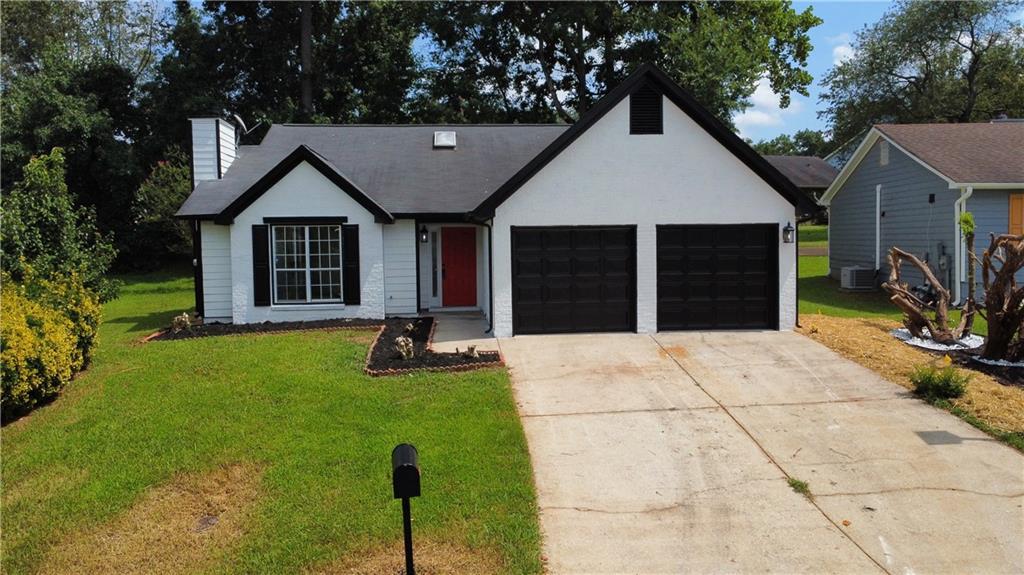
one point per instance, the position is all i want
(573, 279)
(718, 277)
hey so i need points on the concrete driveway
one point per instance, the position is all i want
(671, 453)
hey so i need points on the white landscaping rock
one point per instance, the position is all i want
(1000, 362)
(970, 342)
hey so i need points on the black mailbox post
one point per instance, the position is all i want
(405, 480)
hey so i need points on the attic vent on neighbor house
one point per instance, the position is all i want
(444, 139)
(645, 111)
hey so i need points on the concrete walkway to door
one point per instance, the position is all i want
(671, 454)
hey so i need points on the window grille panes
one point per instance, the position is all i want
(307, 264)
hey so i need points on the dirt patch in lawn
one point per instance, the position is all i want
(179, 527)
(869, 343)
(431, 558)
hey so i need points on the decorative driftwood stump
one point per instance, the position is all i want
(916, 311)
(1004, 299)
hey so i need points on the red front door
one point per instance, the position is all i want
(458, 267)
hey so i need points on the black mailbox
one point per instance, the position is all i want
(405, 471)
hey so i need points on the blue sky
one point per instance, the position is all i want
(831, 41)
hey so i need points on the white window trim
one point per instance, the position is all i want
(320, 303)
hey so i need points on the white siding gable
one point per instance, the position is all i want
(305, 192)
(609, 177)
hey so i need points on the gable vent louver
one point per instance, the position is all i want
(444, 140)
(645, 110)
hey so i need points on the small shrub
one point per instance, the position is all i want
(38, 351)
(935, 383)
(181, 322)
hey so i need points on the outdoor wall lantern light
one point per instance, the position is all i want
(423, 234)
(788, 233)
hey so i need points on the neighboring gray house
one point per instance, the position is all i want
(906, 186)
(647, 214)
(810, 174)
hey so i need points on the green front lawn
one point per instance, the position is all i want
(812, 235)
(295, 406)
(821, 294)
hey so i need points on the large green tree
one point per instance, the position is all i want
(801, 143)
(929, 62)
(542, 61)
(70, 78)
(244, 58)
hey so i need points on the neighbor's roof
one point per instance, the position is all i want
(979, 155)
(396, 165)
(965, 153)
(805, 171)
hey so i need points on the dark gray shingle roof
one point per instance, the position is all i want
(805, 171)
(396, 166)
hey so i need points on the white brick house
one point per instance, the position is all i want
(647, 214)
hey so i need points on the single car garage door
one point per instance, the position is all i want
(718, 277)
(573, 279)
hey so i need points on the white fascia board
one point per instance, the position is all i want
(987, 186)
(851, 165)
(859, 156)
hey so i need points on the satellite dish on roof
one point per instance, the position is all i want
(238, 122)
(242, 130)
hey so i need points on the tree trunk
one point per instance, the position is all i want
(915, 311)
(306, 54)
(1004, 299)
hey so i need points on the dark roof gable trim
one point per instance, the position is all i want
(302, 154)
(682, 99)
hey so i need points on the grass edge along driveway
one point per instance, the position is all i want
(294, 408)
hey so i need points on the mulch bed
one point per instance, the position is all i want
(382, 358)
(214, 329)
(868, 341)
(1005, 375)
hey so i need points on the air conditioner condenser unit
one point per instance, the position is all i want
(857, 278)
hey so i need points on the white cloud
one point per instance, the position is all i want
(841, 48)
(765, 111)
(841, 53)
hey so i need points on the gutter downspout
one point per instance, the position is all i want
(490, 276)
(959, 207)
(878, 228)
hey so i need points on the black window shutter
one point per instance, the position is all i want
(645, 111)
(261, 265)
(350, 284)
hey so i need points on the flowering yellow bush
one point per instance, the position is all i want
(69, 295)
(38, 350)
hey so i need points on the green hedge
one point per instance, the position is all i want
(47, 334)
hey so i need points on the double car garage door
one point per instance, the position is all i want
(583, 279)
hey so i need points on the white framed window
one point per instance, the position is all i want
(306, 264)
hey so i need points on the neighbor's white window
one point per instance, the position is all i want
(307, 264)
